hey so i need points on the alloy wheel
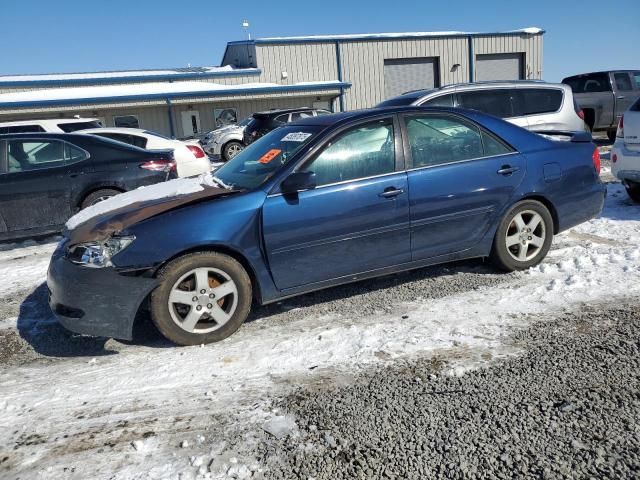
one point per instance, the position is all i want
(203, 300)
(525, 235)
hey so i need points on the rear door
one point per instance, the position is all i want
(625, 96)
(355, 220)
(37, 185)
(501, 102)
(460, 177)
(541, 106)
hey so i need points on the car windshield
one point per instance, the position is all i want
(260, 160)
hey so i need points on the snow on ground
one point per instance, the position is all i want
(145, 412)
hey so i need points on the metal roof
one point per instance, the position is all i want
(383, 36)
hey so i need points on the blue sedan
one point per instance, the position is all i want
(318, 203)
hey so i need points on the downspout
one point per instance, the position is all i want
(339, 67)
(170, 114)
(472, 60)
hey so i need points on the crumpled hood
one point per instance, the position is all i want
(105, 224)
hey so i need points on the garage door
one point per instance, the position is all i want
(406, 74)
(500, 66)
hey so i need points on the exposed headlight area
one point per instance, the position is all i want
(98, 254)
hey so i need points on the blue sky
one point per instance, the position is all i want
(45, 36)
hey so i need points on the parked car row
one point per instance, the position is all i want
(229, 140)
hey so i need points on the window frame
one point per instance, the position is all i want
(315, 151)
(407, 146)
(113, 119)
(630, 79)
(65, 163)
(512, 101)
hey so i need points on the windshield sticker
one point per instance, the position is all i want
(295, 137)
(270, 155)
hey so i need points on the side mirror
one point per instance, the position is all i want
(297, 182)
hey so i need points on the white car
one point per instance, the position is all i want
(189, 157)
(51, 125)
(625, 153)
(225, 142)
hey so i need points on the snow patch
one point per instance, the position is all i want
(172, 188)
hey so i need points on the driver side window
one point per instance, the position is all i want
(361, 152)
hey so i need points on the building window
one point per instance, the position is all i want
(127, 121)
(225, 116)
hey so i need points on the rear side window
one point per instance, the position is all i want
(75, 126)
(361, 152)
(140, 142)
(441, 101)
(437, 140)
(26, 155)
(284, 118)
(495, 102)
(593, 82)
(21, 129)
(623, 81)
(540, 100)
(74, 154)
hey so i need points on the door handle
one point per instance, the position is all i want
(391, 192)
(621, 97)
(507, 170)
(77, 174)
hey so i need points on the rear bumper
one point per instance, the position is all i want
(627, 165)
(581, 206)
(95, 301)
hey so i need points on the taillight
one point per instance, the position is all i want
(578, 110)
(196, 150)
(159, 165)
(596, 160)
(614, 158)
(620, 131)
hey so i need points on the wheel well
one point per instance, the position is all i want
(589, 117)
(255, 285)
(550, 207)
(88, 192)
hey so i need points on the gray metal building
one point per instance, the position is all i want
(340, 72)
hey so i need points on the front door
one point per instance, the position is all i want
(190, 123)
(460, 177)
(35, 184)
(355, 220)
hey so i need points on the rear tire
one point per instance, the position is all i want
(524, 236)
(203, 297)
(231, 149)
(98, 196)
(611, 134)
(633, 190)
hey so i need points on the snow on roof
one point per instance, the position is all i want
(149, 91)
(188, 72)
(364, 36)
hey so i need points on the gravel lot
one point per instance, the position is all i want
(567, 407)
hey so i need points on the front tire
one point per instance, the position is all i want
(98, 196)
(231, 149)
(524, 236)
(202, 298)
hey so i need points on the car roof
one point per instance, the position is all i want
(578, 75)
(280, 111)
(124, 130)
(354, 115)
(54, 121)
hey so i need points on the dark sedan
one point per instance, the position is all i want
(322, 202)
(46, 177)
